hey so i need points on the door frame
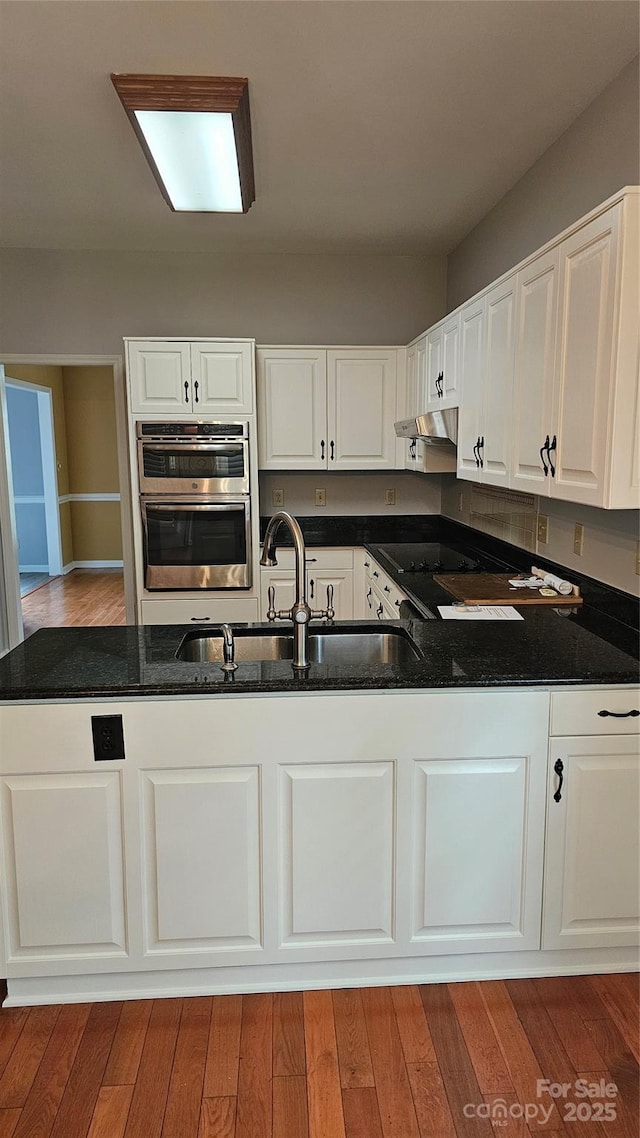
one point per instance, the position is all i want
(49, 471)
(9, 572)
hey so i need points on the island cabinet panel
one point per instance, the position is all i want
(476, 884)
(201, 836)
(64, 882)
(336, 857)
(592, 886)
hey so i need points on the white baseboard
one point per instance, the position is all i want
(33, 569)
(91, 565)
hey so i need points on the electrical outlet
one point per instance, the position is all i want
(390, 497)
(108, 737)
(460, 502)
(543, 529)
(277, 497)
(578, 539)
(321, 498)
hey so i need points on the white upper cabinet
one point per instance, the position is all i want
(292, 402)
(443, 365)
(361, 404)
(213, 376)
(326, 409)
(472, 351)
(496, 426)
(555, 408)
(411, 405)
(537, 304)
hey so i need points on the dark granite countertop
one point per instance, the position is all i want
(596, 645)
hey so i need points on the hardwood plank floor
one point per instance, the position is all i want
(435, 1061)
(82, 597)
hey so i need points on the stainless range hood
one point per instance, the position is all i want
(434, 427)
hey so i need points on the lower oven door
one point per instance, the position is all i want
(197, 544)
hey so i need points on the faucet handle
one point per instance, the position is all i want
(331, 612)
(271, 598)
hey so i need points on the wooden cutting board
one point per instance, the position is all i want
(493, 589)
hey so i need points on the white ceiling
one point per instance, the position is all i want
(390, 126)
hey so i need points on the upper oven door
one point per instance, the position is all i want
(190, 467)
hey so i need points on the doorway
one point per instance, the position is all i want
(32, 456)
(81, 496)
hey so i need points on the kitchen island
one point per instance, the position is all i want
(469, 814)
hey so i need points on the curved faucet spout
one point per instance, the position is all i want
(300, 613)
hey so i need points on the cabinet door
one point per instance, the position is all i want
(292, 409)
(496, 424)
(159, 376)
(477, 886)
(63, 866)
(361, 400)
(584, 359)
(472, 345)
(284, 583)
(201, 832)
(222, 378)
(336, 856)
(411, 407)
(450, 384)
(434, 368)
(592, 886)
(342, 581)
(535, 351)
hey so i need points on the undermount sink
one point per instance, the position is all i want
(326, 646)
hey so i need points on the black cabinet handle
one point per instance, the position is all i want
(366, 564)
(558, 767)
(369, 599)
(380, 612)
(332, 445)
(200, 619)
(186, 391)
(481, 447)
(543, 448)
(552, 446)
(387, 589)
(311, 588)
(310, 560)
(621, 714)
(195, 388)
(375, 573)
(322, 449)
(397, 604)
(476, 450)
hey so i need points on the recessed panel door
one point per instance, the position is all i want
(361, 402)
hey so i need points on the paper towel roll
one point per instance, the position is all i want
(557, 583)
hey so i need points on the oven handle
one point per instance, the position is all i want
(171, 508)
(232, 444)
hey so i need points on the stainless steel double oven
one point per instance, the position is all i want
(195, 500)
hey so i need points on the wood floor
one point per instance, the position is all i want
(406, 1062)
(83, 596)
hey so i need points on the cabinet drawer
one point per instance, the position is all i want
(206, 611)
(316, 558)
(578, 713)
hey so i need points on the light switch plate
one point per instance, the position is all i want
(578, 539)
(321, 498)
(543, 529)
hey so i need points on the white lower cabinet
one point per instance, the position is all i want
(324, 567)
(592, 885)
(239, 835)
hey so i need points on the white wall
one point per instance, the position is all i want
(357, 494)
(610, 536)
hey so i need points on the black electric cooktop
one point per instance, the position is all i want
(428, 557)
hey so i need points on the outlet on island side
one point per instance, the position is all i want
(108, 737)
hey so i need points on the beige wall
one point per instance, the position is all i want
(97, 533)
(610, 536)
(84, 302)
(351, 493)
(594, 158)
